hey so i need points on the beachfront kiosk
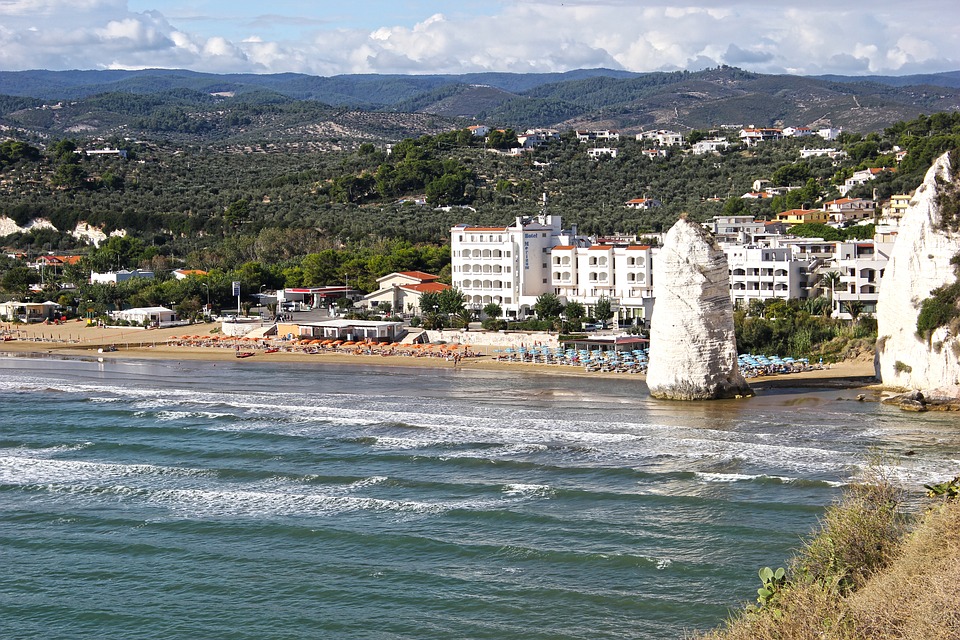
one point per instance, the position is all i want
(342, 329)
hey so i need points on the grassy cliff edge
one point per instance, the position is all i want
(871, 572)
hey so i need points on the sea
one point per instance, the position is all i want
(252, 500)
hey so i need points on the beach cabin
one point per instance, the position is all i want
(146, 316)
(14, 311)
(626, 344)
(302, 298)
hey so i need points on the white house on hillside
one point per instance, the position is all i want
(710, 145)
(113, 277)
(642, 203)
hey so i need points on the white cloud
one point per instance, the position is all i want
(817, 36)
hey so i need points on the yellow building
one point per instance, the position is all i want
(802, 216)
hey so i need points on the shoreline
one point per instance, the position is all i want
(76, 340)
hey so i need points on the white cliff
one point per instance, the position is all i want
(9, 227)
(919, 263)
(693, 351)
(93, 235)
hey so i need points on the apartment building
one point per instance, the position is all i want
(860, 265)
(766, 272)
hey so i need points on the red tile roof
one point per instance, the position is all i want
(426, 287)
(423, 276)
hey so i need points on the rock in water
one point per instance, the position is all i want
(919, 263)
(693, 351)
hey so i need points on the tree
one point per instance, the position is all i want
(603, 310)
(451, 301)
(502, 139)
(575, 310)
(548, 305)
(830, 279)
(447, 189)
(854, 308)
(64, 150)
(18, 279)
(429, 302)
(69, 174)
(791, 174)
(492, 310)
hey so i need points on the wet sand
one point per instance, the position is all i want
(75, 339)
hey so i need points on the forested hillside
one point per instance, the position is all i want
(278, 192)
(591, 98)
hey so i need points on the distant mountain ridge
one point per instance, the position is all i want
(586, 98)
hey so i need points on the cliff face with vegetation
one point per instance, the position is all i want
(918, 347)
(693, 351)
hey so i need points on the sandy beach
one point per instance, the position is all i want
(76, 339)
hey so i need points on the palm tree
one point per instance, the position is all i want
(854, 308)
(832, 279)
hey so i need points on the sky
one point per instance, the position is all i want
(331, 37)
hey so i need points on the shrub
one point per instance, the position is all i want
(858, 536)
(901, 367)
(935, 312)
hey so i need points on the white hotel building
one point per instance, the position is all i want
(622, 274)
(509, 266)
(513, 266)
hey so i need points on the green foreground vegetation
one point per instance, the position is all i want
(874, 571)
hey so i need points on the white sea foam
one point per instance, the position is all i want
(28, 470)
(206, 503)
(726, 477)
(528, 490)
(366, 482)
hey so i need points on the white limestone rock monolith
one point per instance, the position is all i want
(693, 351)
(919, 263)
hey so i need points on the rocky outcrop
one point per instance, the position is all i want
(919, 263)
(693, 351)
(9, 227)
(93, 235)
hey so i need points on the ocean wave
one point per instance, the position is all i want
(528, 490)
(26, 469)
